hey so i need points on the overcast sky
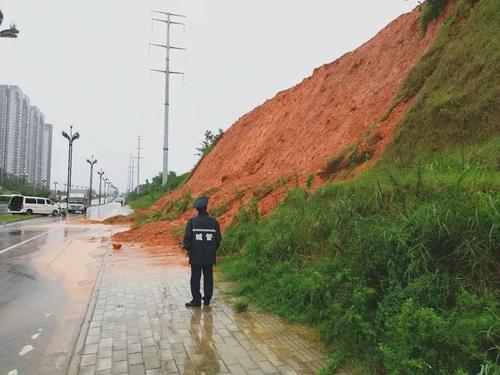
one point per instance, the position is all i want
(86, 63)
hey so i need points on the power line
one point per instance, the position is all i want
(169, 21)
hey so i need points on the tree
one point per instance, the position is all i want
(209, 142)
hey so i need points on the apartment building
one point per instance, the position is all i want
(22, 132)
(46, 155)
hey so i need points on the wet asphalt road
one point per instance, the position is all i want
(48, 269)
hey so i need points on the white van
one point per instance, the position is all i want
(4, 203)
(19, 204)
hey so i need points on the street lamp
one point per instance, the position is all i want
(12, 32)
(44, 183)
(92, 163)
(106, 179)
(71, 137)
(24, 176)
(100, 184)
(55, 188)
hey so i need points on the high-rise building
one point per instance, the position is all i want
(35, 145)
(24, 151)
(15, 103)
(3, 127)
(47, 154)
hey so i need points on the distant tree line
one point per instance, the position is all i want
(11, 184)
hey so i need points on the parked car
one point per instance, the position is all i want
(19, 204)
(4, 203)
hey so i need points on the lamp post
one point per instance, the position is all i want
(55, 188)
(44, 183)
(92, 163)
(106, 179)
(25, 176)
(8, 33)
(71, 138)
(100, 173)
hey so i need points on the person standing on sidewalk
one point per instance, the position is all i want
(202, 238)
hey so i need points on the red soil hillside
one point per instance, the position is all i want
(297, 132)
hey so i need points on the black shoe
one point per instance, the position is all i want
(206, 303)
(193, 304)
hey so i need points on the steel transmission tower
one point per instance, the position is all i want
(171, 17)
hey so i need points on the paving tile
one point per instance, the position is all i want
(87, 370)
(135, 359)
(106, 352)
(119, 367)
(92, 339)
(103, 364)
(88, 360)
(106, 342)
(136, 370)
(90, 349)
(134, 348)
(119, 355)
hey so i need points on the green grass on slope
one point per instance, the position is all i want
(151, 192)
(457, 84)
(397, 271)
(399, 268)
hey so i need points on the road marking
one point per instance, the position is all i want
(26, 349)
(12, 372)
(35, 336)
(47, 315)
(28, 240)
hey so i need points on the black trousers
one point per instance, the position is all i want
(208, 282)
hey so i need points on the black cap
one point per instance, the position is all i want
(200, 202)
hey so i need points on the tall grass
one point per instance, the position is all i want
(397, 271)
(456, 85)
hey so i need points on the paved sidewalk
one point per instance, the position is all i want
(140, 326)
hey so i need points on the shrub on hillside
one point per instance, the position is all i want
(404, 270)
(432, 10)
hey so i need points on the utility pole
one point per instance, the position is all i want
(138, 160)
(131, 173)
(169, 21)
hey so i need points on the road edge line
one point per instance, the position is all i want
(3, 251)
(76, 352)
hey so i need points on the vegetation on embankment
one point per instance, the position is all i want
(456, 87)
(398, 271)
(399, 268)
(9, 218)
(150, 192)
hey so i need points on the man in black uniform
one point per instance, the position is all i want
(201, 240)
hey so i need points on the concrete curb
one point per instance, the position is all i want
(76, 353)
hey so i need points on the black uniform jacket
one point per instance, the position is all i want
(202, 239)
